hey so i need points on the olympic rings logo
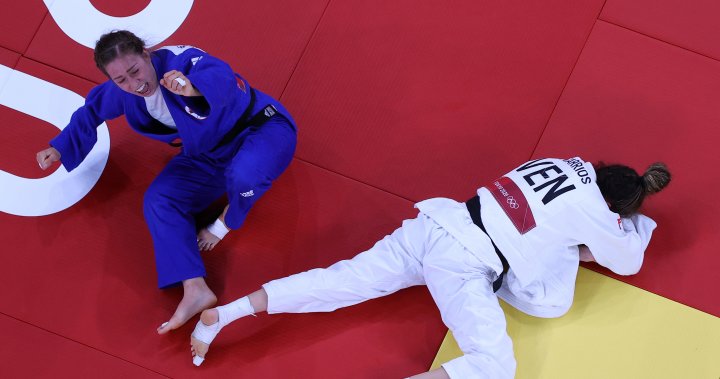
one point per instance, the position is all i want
(512, 202)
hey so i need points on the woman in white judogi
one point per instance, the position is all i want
(531, 228)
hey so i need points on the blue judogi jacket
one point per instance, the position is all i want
(201, 121)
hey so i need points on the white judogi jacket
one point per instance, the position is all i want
(537, 215)
(568, 210)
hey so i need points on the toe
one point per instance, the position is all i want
(166, 327)
(161, 328)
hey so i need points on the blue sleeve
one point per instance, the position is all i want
(213, 77)
(74, 143)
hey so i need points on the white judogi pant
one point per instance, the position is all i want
(419, 252)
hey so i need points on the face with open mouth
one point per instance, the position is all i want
(133, 73)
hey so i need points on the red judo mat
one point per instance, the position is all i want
(689, 24)
(654, 101)
(428, 102)
(36, 353)
(396, 102)
(20, 24)
(261, 40)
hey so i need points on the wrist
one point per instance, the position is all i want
(195, 92)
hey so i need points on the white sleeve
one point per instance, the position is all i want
(617, 244)
(642, 225)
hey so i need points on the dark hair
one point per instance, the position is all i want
(625, 190)
(114, 44)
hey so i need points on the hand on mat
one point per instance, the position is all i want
(47, 157)
(177, 83)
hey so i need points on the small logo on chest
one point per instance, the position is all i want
(191, 113)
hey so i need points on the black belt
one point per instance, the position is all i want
(258, 119)
(473, 206)
(245, 121)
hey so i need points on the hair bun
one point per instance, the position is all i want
(656, 177)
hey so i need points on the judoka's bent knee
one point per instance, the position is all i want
(245, 183)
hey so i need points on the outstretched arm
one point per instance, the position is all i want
(76, 140)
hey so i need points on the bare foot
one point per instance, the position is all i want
(197, 297)
(199, 348)
(207, 240)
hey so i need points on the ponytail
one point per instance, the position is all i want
(625, 190)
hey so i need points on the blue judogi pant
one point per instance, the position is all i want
(244, 169)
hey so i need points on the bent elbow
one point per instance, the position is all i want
(628, 269)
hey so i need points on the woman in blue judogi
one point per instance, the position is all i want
(235, 140)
